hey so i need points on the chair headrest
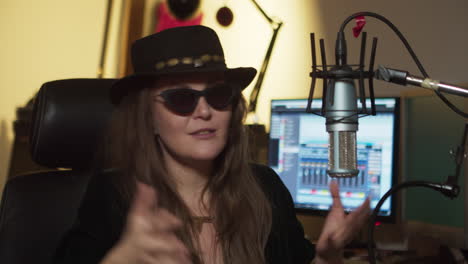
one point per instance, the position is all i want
(69, 117)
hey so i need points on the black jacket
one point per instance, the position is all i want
(101, 220)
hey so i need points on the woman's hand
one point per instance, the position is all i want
(149, 234)
(339, 228)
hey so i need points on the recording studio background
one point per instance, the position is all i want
(51, 39)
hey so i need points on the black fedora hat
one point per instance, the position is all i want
(178, 50)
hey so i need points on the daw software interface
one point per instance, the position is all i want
(298, 152)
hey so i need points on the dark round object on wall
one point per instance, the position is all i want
(183, 9)
(224, 16)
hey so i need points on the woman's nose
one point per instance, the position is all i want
(203, 109)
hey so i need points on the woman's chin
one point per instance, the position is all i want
(204, 157)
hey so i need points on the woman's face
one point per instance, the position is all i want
(200, 135)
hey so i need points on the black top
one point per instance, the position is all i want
(101, 220)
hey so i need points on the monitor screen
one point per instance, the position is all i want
(298, 152)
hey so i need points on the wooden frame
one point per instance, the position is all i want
(132, 29)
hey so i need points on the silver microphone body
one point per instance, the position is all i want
(342, 124)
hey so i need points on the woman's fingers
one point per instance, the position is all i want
(354, 222)
(363, 211)
(150, 236)
(164, 221)
(340, 228)
(148, 258)
(360, 215)
(164, 243)
(145, 200)
(144, 209)
(335, 194)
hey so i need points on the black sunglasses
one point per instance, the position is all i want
(184, 100)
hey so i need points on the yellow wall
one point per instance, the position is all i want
(246, 42)
(43, 41)
(52, 39)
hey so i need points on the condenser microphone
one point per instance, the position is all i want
(341, 125)
(340, 103)
(341, 115)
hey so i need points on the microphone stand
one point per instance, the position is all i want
(449, 188)
(404, 78)
(275, 25)
(102, 59)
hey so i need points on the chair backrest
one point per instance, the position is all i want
(36, 209)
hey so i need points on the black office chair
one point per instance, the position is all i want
(37, 208)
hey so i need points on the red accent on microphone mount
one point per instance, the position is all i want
(360, 23)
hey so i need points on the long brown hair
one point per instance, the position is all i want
(241, 210)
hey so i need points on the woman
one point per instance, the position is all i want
(184, 191)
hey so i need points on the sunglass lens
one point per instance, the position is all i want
(182, 101)
(220, 96)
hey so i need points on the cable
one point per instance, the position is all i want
(449, 190)
(409, 49)
(435, 186)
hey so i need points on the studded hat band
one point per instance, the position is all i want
(196, 61)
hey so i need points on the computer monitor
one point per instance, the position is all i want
(298, 152)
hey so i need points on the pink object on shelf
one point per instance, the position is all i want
(167, 20)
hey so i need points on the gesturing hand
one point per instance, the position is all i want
(149, 234)
(339, 228)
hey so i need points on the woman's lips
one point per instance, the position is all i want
(204, 133)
